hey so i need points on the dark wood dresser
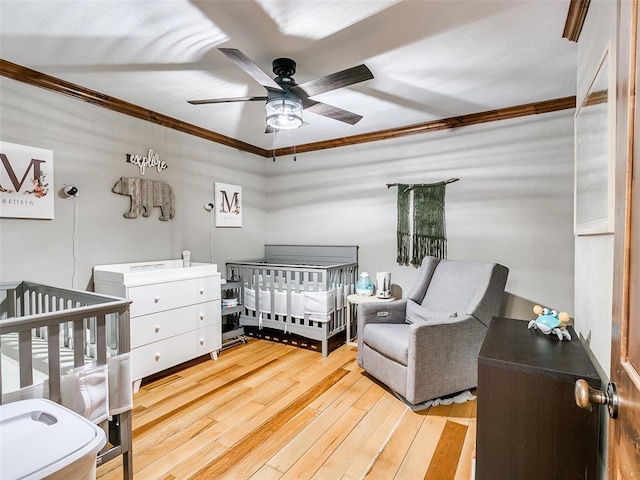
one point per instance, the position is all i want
(528, 425)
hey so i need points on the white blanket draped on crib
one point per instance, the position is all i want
(318, 306)
(95, 392)
(86, 392)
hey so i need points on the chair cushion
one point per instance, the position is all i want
(388, 339)
(457, 286)
(418, 313)
(425, 273)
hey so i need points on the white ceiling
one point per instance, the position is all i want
(431, 59)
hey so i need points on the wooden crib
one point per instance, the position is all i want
(47, 331)
(298, 289)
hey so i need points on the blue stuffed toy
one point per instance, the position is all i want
(551, 321)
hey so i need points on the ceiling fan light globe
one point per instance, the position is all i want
(284, 113)
(284, 122)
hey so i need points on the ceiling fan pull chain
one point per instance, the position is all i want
(294, 146)
(273, 155)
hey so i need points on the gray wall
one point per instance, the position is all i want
(89, 146)
(594, 253)
(512, 205)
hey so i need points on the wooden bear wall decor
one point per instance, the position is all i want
(145, 195)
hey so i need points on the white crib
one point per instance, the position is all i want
(298, 289)
(47, 332)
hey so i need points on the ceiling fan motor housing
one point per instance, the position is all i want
(284, 67)
(284, 109)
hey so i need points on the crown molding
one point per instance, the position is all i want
(32, 77)
(575, 19)
(444, 124)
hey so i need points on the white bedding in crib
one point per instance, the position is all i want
(85, 390)
(317, 305)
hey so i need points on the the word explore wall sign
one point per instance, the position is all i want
(152, 160)
(228, 205)
(26, 182)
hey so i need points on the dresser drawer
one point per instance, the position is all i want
(166, 353)
(169, 295)
(161, 325)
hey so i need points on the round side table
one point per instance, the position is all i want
(355, 299)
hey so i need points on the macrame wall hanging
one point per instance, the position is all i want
(421, 221)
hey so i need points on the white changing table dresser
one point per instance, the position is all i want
(175, 314)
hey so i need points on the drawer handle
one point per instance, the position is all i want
(202, 316)
(157, 357)
(157, 329)
(202, 341)
(156, 299)
(201, 291)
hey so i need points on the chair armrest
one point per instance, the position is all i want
(443, 356)
(368, 312)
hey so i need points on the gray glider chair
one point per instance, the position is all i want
(426, 345)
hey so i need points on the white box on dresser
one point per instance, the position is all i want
(175, 314)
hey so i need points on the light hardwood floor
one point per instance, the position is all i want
(271, 411)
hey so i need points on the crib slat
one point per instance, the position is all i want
(78, 343)
(271, 288)
(288, 285)
(126, 441)
(124, 341)
(1, 393)
(101, 339)
(11, 303)
(53, 344)
(258, 287)
(30, 299)
(25, 358)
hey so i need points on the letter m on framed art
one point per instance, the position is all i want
(228, 205)
(26, 182)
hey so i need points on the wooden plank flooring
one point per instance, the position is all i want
(269, 411)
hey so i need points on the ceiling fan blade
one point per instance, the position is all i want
(226, 100)
(254, 71)
(331, 112)
(347, 77)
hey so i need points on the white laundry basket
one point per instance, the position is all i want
(39, 438)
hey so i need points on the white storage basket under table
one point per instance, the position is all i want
(175, 314)
(41, 439)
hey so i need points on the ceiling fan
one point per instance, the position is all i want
(286, 99)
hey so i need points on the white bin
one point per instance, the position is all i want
(39, 438)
